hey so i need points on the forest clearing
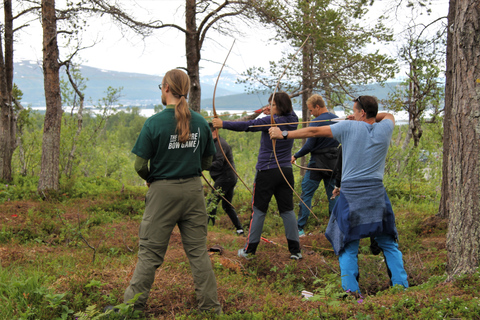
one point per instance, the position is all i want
(74, 253)
(71, 201)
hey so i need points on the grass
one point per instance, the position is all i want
(68, 257)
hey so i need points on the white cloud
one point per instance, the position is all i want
(165, 49)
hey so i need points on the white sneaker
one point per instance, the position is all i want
(243, 254)
(296, 256)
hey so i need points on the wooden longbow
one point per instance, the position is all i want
(273, 124)
(215, 115)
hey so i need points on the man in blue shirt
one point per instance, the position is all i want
(324, 153)
(363, 208)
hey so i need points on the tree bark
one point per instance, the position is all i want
(462, 199)
(192, 46)
(307, 92)
(8, 119)
(71, 156)
(49, 174)
(443, 208)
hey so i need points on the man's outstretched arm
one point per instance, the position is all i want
(310, 132)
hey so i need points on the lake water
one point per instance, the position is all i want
(400, 117)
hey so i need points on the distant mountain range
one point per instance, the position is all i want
(142, 89)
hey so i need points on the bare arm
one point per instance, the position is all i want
(384, 115)
(309, 132)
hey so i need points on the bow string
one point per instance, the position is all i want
(215, 115)
(273, 124)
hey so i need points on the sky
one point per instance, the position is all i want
(162, 51)
(165, 49)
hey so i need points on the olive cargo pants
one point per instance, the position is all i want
(168, 203)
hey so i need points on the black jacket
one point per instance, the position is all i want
(220, 168)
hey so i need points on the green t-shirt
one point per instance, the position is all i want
(170, 159)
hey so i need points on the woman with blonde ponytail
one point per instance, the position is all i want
(173, 148)
(179, 83)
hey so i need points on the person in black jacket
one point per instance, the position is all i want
(225, 180)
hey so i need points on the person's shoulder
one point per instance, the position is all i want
(390, 121)
(346, 123)
(288, 117)
(321, 120)
(293, 115)
(329, 115)
(385, 123)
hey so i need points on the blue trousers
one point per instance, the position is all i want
(309, 186)
(348, 260)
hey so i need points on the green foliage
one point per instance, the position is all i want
(49, 273)
(423, 88)
(126, 206)
(21, 188)
(28, 297)
(126, 126)
(57, 303)
(27, 156)
(70, 96)
(336, 49)
(157, 108)
(89, 140)
(121, 311)
(329, 288)
(211, 203)
(91, 313)
(407, 175)
(17, 93)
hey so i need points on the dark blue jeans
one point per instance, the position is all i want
(309, 186)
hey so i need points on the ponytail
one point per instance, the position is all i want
(179, 83)
(183, 116)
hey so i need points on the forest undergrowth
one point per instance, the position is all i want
(64, 257)
(69, 254)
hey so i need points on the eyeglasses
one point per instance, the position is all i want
(359, 102)
(160, 87)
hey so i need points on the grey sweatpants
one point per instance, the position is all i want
(169, 203)
(256, 228)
